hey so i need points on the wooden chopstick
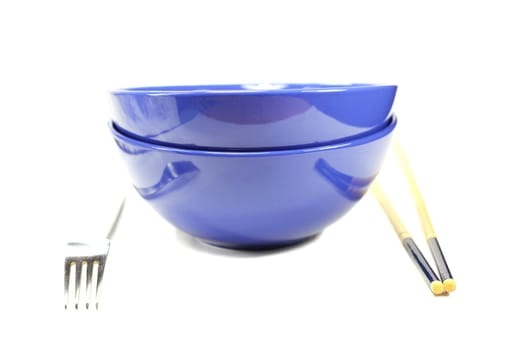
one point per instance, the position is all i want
(432, 280)
(449, 283)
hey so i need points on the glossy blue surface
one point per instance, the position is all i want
(256, 117)
(254, 200)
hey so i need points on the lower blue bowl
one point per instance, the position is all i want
(254, 200)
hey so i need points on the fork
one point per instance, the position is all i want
(84, 267)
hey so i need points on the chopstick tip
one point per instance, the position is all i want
(437, 287)
(449, 285)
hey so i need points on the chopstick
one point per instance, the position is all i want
(432, 280)
(449, 283)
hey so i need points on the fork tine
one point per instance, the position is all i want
(89, 283)
(78, 275)
(67, 274)
(101, 262)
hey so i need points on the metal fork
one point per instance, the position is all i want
(84, 267)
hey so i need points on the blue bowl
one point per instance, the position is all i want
(254, 117)
(254, 200)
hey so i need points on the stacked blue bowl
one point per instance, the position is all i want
(253, 166)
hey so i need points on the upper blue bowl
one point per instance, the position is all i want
(253, 117)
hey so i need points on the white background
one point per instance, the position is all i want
(460, 103)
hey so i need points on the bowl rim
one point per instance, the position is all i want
(249, 89)
(386, 130)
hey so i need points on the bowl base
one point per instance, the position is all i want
(259, 247)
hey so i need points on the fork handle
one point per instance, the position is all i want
(116, 221)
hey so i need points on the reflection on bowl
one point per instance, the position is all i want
(174, 176)
(354, 188)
